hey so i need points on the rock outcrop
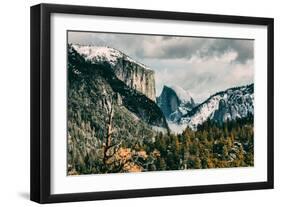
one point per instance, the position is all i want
(136, 76)
(175, 102)
(132, 73)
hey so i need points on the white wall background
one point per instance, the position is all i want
(14, 104)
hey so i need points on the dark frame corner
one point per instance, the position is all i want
(40, 102)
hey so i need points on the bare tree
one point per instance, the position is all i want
(109, 130)
(110, 146)
(115, 158)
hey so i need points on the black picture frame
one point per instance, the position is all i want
(41, 95)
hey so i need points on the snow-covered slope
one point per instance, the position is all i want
(226, 105)
(102, 54)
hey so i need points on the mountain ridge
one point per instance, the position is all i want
(135, 74)
(230, 104)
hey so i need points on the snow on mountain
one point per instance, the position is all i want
(202, 113)
(103, 54)
(94, 53)
(223, 106)
(181, 112)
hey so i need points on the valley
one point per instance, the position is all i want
(117, 124)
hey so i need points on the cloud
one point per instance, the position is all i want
(202, 66)
(202, 78)
(168, 47)
(189, 47)
(218, 47)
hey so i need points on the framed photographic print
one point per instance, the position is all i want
(132, 103)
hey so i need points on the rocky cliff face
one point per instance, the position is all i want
(135, 75)
(168, 101)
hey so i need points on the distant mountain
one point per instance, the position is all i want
(132, 73)
(175, 102)
(223, 106)
(180, 110)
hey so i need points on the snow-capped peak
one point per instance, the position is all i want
(103, 54)
(97, 53)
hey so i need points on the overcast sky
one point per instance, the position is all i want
(201, 66)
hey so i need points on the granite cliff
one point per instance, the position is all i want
(134, 74)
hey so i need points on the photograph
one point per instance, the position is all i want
(149, 102)
(136, 102)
